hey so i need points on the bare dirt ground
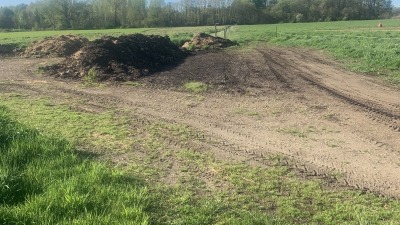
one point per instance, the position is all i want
(264, 101)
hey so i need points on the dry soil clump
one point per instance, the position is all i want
(61, 46)
(204, 41)
(121, 58)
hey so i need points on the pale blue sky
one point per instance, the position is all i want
(16, 2)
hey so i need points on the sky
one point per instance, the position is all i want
(16, 2)
(395, 3)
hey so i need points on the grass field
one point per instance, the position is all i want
(41, 168)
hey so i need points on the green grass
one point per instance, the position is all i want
(196, 87)
(178, 35)
(98, 131)
(170, 178)
(247, 112)
(44, 180)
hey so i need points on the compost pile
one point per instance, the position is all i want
(121, 58)
(204, 41)
(61, 46)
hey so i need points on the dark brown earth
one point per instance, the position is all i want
(123, 58)
(264, 101)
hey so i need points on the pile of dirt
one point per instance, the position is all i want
(204, 41)
(121, 58)
(61, 46)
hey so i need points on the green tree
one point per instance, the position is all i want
(6, 18)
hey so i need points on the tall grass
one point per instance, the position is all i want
(44, 180)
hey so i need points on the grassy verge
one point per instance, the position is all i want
(100, 132)
(44, 180)
(166, 174)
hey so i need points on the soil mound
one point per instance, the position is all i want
(204, 41)
(61, 46)
(121, 58)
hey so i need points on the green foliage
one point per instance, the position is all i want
(106, 14)
(180, 38)
(90, 77)
(196, 87)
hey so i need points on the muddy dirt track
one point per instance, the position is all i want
(264, 101)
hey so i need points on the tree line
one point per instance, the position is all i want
(100, 14)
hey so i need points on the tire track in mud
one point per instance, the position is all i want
(380, 114)
(300, 76)
(278, 75)
(375, 111)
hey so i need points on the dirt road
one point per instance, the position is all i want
(264, 101)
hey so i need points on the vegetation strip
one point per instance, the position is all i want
(86, 14)
(43, 180)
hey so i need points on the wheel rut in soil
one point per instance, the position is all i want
(389, 114)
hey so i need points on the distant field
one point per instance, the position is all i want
(26, 37)
(361, 45)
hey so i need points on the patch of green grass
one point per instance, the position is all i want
(242, 111)
(91, 77)
(132, 83)
(99, 131)
(294, 131)
(44, 180)
(196, 87)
